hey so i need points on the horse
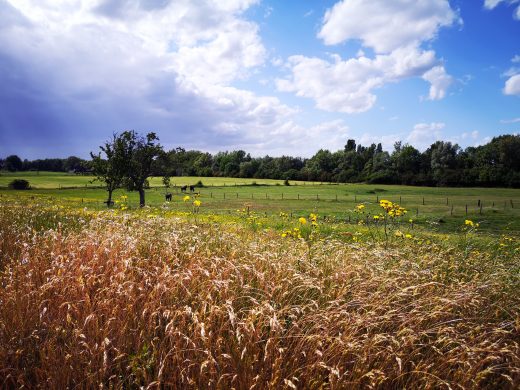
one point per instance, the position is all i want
(192, 188)
(168, 197)
(183, 188)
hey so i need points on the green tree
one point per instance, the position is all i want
(138, 153)
(109, 169)
(13, 163)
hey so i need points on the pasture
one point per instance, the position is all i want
(435, 208)
(259, 286)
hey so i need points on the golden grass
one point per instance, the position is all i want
(125, 301)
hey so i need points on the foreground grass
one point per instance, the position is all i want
(93, 298)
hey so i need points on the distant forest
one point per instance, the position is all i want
(495, 164)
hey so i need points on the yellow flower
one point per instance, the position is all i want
(408, 235)
(313, 217)
(376, 216)
(186, 198)
(302, 220)
(469, 222)
(197, 203)
(360, 207)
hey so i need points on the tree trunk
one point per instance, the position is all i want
(109, 201)
(141, 197)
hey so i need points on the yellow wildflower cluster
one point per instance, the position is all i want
(314, 219)
(122, 202)
(294, 233)
(360, 208)
(392, 209)
(471, 224)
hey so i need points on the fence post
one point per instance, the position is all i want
(377, 198)
(481, 208)
(423, 200)
(355, 198)
(447, 201)
(282, 195)
(224, 195)
(336, 197)
(299, 195)
(512, 204)
(466, 209)
(317, 197)
(417, 213)
(211, 194)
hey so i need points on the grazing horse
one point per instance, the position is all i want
(192, 188)
(168, 197)
(183, 188)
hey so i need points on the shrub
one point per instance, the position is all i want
(19, 184)
(199, 184)
(286, 182)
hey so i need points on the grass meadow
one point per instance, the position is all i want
(259, 286)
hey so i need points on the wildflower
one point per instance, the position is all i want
(376, 217)
(469, 222)
(186, 198)
(313, 217)
(302, 220)
(197, 203)
(360, 207)
(408, 235)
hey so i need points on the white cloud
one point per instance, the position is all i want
(394, 30)
(506, 121)
(385, 25)
(347, 86)
(512, 86)
(490, 4)
(387, 141)
(424, 134)
(515, 59)
(439, 80)
(162, 65)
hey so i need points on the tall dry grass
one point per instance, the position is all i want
(128, 301)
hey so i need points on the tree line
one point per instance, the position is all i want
(495, 164)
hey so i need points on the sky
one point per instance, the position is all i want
(286, 77)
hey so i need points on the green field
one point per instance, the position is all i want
(439, 209)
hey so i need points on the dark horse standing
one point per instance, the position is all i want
(168, 197)
(183, 188)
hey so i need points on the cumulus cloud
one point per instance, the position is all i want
(394, 30)
(439, 80)
(512, 86)
(346, 86)
(385, 25)
(94, 67)
(424, 134)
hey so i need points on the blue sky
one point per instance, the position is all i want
(270, 77)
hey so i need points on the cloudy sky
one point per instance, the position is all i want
(270, 77)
